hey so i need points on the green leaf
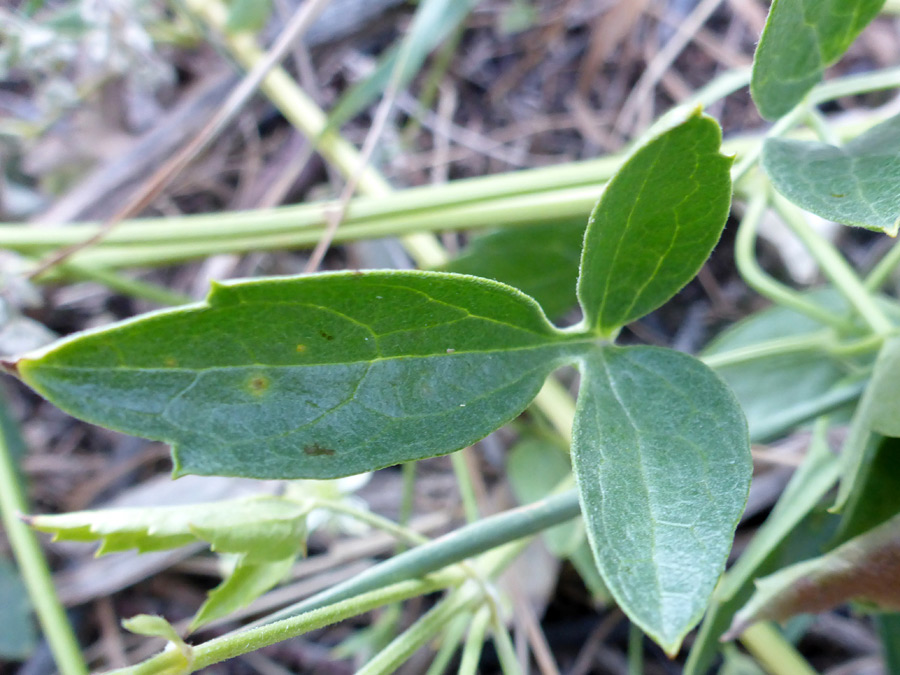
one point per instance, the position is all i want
(857, 184)
(312, 377)
(245, 584)
(777, 390)
(265, 528)
(862, 442)
(662, 459)
(534, 468)
(866, 569)
(885, 406)
(800, 40)
(152, 625)
(18, 637)
(655, 225)
(541, 261)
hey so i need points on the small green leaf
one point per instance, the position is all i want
(800, 40)
(857, 184)
(266, 528)
(245, 584)
(865, 569)
(655, 225)
(540, 260)
(152, 625)
(312, 377)
(17, 637)
(662, 459)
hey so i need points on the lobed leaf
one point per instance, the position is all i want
(655, 225)
(866, 568)
(262, 529)
(857, 184)
(312, 377)
(662, 459)
(800, 40)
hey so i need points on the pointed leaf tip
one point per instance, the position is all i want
(661, 455)
(655, 224)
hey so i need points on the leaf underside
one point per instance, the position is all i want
(857, 184)
(315, 377)
(661, 455)
(800, 40)
(655, 225)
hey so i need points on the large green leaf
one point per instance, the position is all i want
(314, 377)
(655, 224)
(541, 261)
(857, 184)
(662, 458)
(800, 40)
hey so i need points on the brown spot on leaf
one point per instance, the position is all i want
(327, 336)
(301, 349)
(258, 384)
(316, 450)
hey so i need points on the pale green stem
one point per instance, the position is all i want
(891, 7)
(450, 642)
(506, 652)
(557, 404)
(378, 522)
(234, 644)
(835, 267)
(408, 498)
(818, 123)
(813, 342)
(776, 655)
(389, 659)
(762, 283)
(33, 567)
(131, 287)
(464, 542)
(465, 485)
(879, 276)
(474, 644)
(635, 650)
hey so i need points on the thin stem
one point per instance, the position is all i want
(234, 644)
(814, 342)
(428, 625)
(465, 485)
(465, 542)
(450, 642)
(474, 644)
(762, 283)
(378, 522)
(635, 650)
(506, 652)
(835, 267)
(32, 564)
(774, 652)
(879, 276)
(134, 288)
